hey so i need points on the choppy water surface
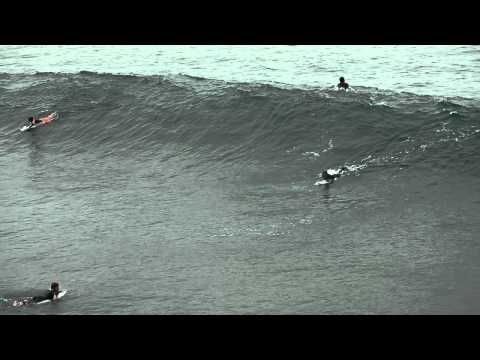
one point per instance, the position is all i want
(180, 180)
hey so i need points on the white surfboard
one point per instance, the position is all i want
(59, 296)
(323, 182)
(25, 128)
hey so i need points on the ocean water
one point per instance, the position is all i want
(182, 179)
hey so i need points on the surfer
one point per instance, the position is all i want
(51, 294)
(38, 120)
(33, 120)
(330, 175)
(342, 84)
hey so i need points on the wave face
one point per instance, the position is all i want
(223, 123)
(200, 195)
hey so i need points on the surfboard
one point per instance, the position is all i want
(323, 182)
(44, 121)
(336, 173)
(60, 295)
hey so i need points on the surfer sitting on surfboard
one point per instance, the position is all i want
(51, 294)
(342, 84)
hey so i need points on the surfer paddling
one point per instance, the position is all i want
(330, 175)
(32, 120)
(39, 120)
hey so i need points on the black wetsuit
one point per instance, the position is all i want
(331, 177)
(47, 296)
(343, 85)
(34, 121)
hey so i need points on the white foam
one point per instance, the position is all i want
(356, 167)
(311, 153)
(305, 221)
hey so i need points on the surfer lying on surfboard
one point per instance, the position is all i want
(34, 120)
(39, 120)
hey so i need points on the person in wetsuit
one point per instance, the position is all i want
(330, 176)
(51, 294)
(342, 84)
(32, 120)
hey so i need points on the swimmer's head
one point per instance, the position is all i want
(342, 79)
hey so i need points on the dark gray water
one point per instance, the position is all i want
(172, 194)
